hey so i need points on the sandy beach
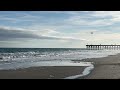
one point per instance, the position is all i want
(105, 68)
(57, 72)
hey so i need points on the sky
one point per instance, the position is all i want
(58, 29)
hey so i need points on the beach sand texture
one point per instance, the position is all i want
(105, 68)
(49, 72)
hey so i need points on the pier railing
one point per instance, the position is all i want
(100, 47)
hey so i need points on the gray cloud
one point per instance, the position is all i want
(7, 33)
(12, 34)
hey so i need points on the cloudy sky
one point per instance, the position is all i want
(58, 29)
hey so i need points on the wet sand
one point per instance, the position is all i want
(105, 68)
(57, 72)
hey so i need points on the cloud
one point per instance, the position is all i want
(82, 18)
(61, 27)
(56, 12)
(103, 36)
(113, 16)
(88, 21)
(94, 18)
(7, 33)
(19, 17)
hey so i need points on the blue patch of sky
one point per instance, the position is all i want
(53, 19)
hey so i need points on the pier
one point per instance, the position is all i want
(101, 47)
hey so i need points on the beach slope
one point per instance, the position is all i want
(105, 68)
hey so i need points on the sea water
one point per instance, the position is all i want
(15, 58)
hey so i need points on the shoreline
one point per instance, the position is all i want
(105, 68)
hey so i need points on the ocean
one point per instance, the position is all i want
(14, 58)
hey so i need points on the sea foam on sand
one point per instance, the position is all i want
(89, 66)
(84, 73)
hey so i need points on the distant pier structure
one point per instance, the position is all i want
(100, 47)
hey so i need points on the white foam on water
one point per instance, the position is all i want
(89, 66)
(51, 58)
(7, 66)
(62, 55)
(86, 71)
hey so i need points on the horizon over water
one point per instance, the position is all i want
(15, 58)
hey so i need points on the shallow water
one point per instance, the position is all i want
(15, 58)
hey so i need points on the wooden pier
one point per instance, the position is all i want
(100, 47)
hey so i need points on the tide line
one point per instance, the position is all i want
(86, 71)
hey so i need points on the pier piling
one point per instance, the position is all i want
(100, 47)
